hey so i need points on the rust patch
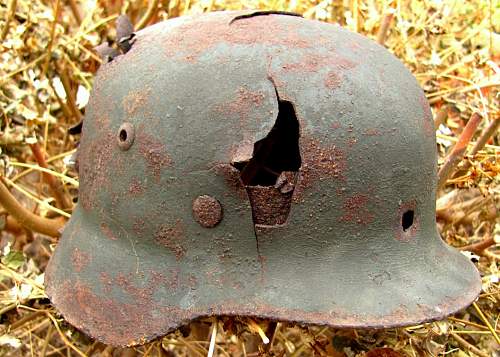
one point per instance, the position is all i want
(313, 63)
(336, 125)
(232, 178)
(79, 259)
(271, 204)
(139, 226)
(95, 166)
(372, 132)
(172, 238)
(106, 282)
(402, 234)
(333, 79)
(136, 100)
(319, 162)
(207, 211)
(270, 30)
(154, 152)
(107, 231)
(243, 102)
(356, 211)
(126, 282)
(308, 63)
(135, 187)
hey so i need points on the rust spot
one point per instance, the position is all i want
(313, 63)
(126, 282)
(135, 187)
(269, 206)
(319, 162)
(172, 237)
(356, 211)
(207, 211)
(106, 282)
(79, 259)
(154, 152)
(372, 132)
(136, 100)
(231, 176)
(336, 125)
(95, 165)
(333, 79)
(407, 221)
(107, 231)
(185, 39)
(243, 103)
(139, 226)
(308, 63)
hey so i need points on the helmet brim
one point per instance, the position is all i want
(123, 294)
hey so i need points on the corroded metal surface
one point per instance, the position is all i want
(273, 167)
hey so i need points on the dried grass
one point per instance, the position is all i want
(46, 72)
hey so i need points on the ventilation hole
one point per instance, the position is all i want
(126, 135)
(277, 152)
(123, 135)
(407, 219)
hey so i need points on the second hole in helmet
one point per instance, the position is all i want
(407, 219)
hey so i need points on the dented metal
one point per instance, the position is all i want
(260, 164)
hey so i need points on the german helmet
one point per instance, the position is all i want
(255, 164)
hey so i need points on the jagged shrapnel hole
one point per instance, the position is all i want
(270, 175)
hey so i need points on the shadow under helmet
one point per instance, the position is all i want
(258, 164)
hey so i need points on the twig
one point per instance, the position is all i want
(483, 139)
(11, 11)
(271, 331)
(75, 11)
(25, 319)
(486, 322)
(478, 248)
(69, 93)
(458, 150)
(50, 329)
(468, 346)
(211, 348)
(148, 15)
(55, 186)
(57, 10)
(29, 220)
(255, 328)
(384, 28)
(441, 117)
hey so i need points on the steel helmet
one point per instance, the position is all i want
(256, 164)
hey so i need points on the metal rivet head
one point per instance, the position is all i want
(207, 211)
(126, 136)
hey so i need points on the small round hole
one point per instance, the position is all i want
(407, 219)
(126, 135)
(123, 135)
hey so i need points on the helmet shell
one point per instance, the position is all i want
(166, 229)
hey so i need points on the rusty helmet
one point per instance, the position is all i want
(255, 164)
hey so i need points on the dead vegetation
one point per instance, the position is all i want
(46, 73)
